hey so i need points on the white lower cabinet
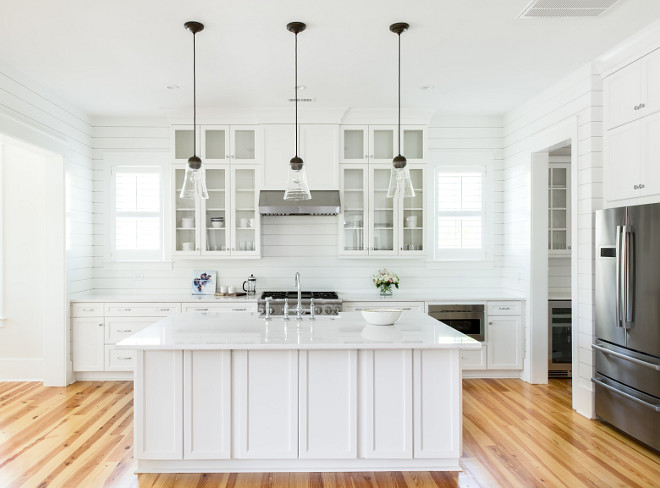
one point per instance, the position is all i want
(504, 335)
(436, 397)
(219, 307)
(358, 306)
(475, 360)
(265, 394)
(207, 405)
(159, 405)
(87, 335)
(386, 396)
(328, 404)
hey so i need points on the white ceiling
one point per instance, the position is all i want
(115, 58)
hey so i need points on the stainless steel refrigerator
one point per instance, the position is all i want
(627, 345)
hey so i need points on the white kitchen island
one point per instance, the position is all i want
(233, 392)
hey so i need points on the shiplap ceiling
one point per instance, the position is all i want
(115, 58)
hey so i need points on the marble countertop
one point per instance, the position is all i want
(348, 330)
(371, 295)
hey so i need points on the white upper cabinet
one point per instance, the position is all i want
(317, 144)
(559, 208)
(631, 155)
(633, 91)
(378, 143)
(237, 144)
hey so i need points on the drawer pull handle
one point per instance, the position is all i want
(101, 324)
(125, 330)
(238, 309)
(164, 309)
(124, 358)
(124, 309)
(87, 309)
(201, 309)
(490, 323)
(505, 308)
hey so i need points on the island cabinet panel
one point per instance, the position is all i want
(159, 405)
(328, 404)
(207, 404)
(265, 392)
(437, 397)
(386, 394)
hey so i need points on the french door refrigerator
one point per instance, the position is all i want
(626, 348)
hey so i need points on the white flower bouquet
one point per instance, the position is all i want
(385, 280)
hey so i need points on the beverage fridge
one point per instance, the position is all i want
(626, 347)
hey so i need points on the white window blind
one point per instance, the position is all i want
(138, 216)
(459, 213)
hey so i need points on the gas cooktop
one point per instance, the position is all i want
(305, 295)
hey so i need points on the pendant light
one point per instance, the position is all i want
(194, 182)
(400, 184)
(296, 182)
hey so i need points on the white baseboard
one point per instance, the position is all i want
(496, 373)
(103, 375)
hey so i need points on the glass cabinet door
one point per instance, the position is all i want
(559, 238)
(354, 144)
(186, 224)
(215, 143)
(244, 144)
(354, 184)
(245, 216)
(382, 213)
(413, 144)
(411, 219)
(382, 143)
(216, 212)
(182, 142)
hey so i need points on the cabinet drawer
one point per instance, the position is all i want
(504, 308)
(87, 310)
(471, 359)
(118, 328)
(358, 306)
(119, 359)
(141, 309)
(219, 307)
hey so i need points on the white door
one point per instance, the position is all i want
(386, 403)
(328, 404)
(159, 405)
(505, 344)
(265, 392)
(623, 157)
(207, 405)
(623, 95)
(88, 344)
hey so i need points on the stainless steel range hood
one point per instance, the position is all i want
(323, 202)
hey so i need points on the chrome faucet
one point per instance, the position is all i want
(299, 309)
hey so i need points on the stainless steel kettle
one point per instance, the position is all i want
(250, 285)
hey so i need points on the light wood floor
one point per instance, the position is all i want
(515, 435)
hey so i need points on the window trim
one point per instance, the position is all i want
(136, 162)
(483, 165)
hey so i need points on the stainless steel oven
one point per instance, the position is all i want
(468, 319)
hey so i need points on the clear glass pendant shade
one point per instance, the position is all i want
(296, 185)
(400, 184)
(194, 184)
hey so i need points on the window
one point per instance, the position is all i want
(460, 215)
(137, 213)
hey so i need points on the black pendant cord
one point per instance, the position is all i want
(399, 88)
(194, 95)
(296, 90)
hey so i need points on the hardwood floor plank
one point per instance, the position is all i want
(514, 434)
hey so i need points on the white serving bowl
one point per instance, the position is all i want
(381, 316)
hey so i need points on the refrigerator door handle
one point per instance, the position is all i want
(619, 258)
(652, 406)
(629, 273)
(627, 358)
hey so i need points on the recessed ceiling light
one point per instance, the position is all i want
(172, 87)
(427, 87)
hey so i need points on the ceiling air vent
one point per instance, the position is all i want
(302, 100)
(540, 9)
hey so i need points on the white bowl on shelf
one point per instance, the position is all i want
(381, 316)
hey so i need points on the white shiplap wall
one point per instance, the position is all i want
(578, 96)
(291, 243)
(31, 114)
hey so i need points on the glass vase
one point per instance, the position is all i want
(385, 290)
